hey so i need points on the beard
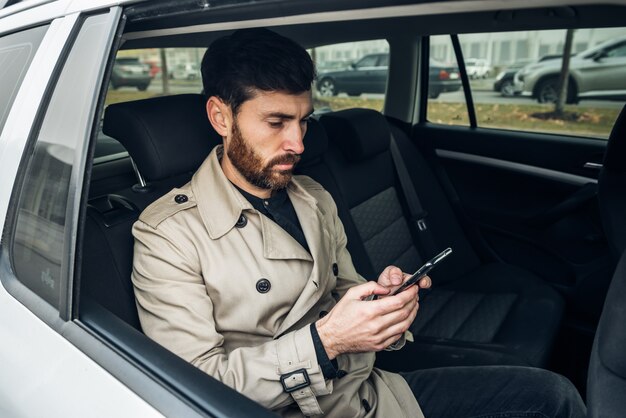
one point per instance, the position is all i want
(250, 165)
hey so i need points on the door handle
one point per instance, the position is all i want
(594, 166)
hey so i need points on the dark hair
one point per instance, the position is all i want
(249, 59)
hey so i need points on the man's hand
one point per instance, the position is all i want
(355, 325)
(392, 277)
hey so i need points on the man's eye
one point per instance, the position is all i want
(276, 124)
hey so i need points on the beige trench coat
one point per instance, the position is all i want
(196, 269)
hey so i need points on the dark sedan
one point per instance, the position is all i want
(369, 75)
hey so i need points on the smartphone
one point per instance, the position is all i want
(423, 271)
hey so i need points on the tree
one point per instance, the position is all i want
(165, 77)
(559, 108)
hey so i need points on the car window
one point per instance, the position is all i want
(16, 52)
(40, 237)
(617, 51)
(340, 85)
(514, 80)
(143, 73)
(139, 74)
(446, 101)
(369, 61)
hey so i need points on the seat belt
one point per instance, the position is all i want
(418, 214)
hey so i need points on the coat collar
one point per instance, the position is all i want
(220, 205)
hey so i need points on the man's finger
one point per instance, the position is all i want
(425, 282)
(391, 276)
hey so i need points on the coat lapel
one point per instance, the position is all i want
(319, 241)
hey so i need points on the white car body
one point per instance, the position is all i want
(477, 68)
(592, 76)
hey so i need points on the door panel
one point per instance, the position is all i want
(534, 202)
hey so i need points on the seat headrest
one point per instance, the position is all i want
(359, 133)
(615, 156)
(315, 143)
(165, 136)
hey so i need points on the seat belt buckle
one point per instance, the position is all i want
(421, 221)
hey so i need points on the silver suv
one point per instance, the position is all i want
(598, 72)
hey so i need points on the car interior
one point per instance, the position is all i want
(536, 236)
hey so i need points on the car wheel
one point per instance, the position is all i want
(547, 91)
(433, 93)
(507, 89)
(143, 87)
(327, 87)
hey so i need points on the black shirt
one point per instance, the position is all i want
(279, 209)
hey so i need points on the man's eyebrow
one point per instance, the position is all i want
(287, 116)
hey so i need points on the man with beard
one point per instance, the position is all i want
(244, 271)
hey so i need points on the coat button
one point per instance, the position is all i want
(335, 269)
(263, 286)
(242, 221)
(323, 314)
(180, 198)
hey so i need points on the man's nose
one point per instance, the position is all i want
(294, 139)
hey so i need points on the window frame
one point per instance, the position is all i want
(53, 316)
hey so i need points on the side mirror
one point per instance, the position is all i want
(352, 66)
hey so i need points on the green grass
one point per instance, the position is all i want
(591, 122)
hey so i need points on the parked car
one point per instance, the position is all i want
(369, 75)
(505, 83)
(598, 72)
(187, 71)
(130, 72)
(505, 80)
(442, 78)
(477, 68)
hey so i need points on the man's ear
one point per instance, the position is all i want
(219, 115)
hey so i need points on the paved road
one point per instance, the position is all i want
(491, 97)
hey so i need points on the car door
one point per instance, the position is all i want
(44, 375)
(526, 187)
(606, 72)
(363, 76)
(379, 74)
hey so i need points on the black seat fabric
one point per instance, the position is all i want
(165, 136)
(477, 313)
(612, 187)
(168, 138)
(606, 381)
(106, 267)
